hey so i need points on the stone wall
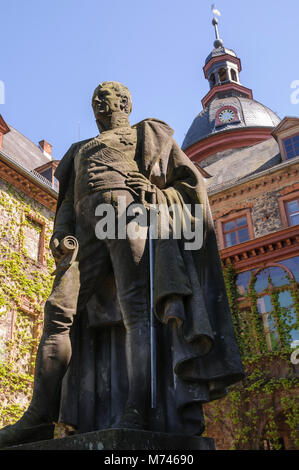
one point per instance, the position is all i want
(25, 283)
(256, 412)
(260, 196)
(265, 213)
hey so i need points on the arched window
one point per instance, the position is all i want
(272, 296)
(276, 306)
(233, 75)
(283, 439)
(222, 75)
(212, 79)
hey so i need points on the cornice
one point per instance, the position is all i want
(221, 58)
(225, 87)
(28, 182)
(259, 181)
(227, 139)
(272, 247)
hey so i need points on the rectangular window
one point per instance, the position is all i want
(291, 146)
(292, 210)
(235, 231)
(33, 239)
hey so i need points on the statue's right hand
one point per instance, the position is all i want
(54, 245)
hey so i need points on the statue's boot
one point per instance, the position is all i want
(30, 428)
(37, 422)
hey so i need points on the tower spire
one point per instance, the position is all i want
(218, 42)
(222, 68)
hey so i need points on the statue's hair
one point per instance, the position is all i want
(120, 90)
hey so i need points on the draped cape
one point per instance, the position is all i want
(198, 359)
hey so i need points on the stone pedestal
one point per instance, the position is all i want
(121, 439)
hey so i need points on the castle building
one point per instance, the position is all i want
(28, 196)
(251, 160)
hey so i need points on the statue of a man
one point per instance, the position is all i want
(97, 316)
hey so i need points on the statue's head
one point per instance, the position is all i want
(110, 98)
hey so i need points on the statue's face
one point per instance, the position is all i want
(107, 101)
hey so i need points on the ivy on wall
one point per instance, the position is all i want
(23, 281)
(249, 413)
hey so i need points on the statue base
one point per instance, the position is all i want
(121, 439)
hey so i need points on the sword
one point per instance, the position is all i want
(153, 333)
(152, 321)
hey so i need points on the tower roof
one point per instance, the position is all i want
(218, 52)
(229, 110)
(249, 113)
(23, 150)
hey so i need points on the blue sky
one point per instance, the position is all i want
(54, 53)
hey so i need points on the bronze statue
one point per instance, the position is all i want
(93, 366)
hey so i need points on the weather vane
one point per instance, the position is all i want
(218, 42)
(214, 10)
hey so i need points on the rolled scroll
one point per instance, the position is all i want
(69, 246)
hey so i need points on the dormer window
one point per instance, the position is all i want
(291, 146)
(287, 135)
(47, 173)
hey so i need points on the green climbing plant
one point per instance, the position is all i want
(23, 281)
(249, 411)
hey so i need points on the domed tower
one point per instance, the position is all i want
(231, 119)
(252, 158)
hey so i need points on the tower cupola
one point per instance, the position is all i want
(222, 68)
(222, 65)
(230, 117)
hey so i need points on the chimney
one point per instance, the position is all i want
(46, 148)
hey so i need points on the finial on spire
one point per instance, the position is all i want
(218, 42)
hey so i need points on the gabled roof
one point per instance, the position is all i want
(23, 150)
(287, 123)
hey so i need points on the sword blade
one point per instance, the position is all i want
(152, 322)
